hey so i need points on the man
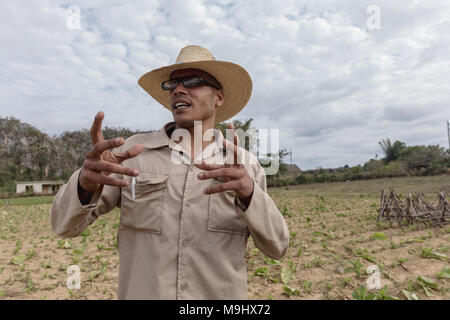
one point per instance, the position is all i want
(186, 211)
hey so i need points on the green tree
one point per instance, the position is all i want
(268, 160)
(245, 127)
(393, 169)
(373, 165)
(421, 156)
(391, 151)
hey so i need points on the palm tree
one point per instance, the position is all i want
(244, 126)
(391, 151)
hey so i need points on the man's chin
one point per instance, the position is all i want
(183, 122)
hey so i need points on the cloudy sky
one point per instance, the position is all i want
(334, 77)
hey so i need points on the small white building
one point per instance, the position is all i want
(44, 187)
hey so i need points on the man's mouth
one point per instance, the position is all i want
(181, 105)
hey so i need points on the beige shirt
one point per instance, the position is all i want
(175, 242)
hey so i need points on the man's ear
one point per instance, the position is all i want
(220, 98)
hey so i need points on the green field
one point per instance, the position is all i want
(429, 185)
(26, 201)
(334, 239)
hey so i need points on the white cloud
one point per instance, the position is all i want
(330, 84)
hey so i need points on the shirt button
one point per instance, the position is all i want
(185, 243)
(188, 204)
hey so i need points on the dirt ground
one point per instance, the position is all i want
(334, 239)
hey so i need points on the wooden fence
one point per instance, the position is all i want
(416, 210)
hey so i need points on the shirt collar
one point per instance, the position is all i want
(161, 138)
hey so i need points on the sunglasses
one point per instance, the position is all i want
(188, 82)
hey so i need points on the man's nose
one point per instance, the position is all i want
(179, 88)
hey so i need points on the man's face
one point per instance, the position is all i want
(201, 101)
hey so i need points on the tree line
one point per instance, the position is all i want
(399, 160)
(27, 154)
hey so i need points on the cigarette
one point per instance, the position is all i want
(133, 183)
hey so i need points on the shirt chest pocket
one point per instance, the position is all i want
(222, 215)
(144, 211)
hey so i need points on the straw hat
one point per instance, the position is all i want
(235, 80)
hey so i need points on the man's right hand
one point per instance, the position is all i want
(100, 162)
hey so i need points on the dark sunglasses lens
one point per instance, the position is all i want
(191, 82)
(169, 84)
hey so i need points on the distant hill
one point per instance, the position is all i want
(27, 154)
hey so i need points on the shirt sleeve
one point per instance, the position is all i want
(266, 224)
(69, 218)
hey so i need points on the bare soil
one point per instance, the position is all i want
(332, 230)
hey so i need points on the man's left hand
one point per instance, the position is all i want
(235, 176)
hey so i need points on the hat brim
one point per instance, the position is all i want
(235, 81)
